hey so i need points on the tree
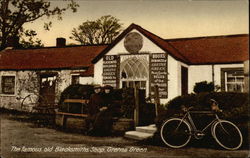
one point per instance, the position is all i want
(31, 42)
(101, 31)
(15, 13)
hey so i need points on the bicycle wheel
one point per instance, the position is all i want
(227, 135)
(175, 133)
(28, 103)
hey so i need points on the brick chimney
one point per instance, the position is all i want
(60, 42)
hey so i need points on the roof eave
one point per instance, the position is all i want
(39, 69)
(217, 63)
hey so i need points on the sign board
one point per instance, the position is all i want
(111, 70)
(158, 74)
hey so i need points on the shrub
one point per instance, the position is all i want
(203, 87)
(128, 102)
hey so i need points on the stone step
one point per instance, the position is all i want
(137, 135)
(152, 125)
(146, 129)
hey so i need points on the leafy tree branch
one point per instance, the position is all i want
(15, 13)
(101, 31)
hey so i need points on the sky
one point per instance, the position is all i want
(166, 18)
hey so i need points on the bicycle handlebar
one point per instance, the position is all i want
(214, 101)
(215, 106)
(185, 109)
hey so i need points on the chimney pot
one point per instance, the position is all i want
(60, 42)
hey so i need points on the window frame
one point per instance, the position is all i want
(1, 87)
(78, 75)
(223, 77)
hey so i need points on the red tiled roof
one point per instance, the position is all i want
(205, 50)
(89, 71)
(162, 44)
(212, 50)
(49, 58)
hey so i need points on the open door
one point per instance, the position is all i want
(47, 90)
(184, 80)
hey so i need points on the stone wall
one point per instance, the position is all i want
(28, 83)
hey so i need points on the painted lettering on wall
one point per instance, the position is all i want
(158, 74)
(111, 70)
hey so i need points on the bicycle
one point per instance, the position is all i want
(177, 132)
(30, 101)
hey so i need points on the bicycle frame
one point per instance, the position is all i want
(194, 129)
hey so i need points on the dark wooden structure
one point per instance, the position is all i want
(76, 121)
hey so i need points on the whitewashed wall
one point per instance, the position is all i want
(86, 80)
(63, 81)
(198, 73)
(22, 79)
(148, 47)
(98, 70)
(246, 74)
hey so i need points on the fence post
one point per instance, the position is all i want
(156, 98)
(136, 111)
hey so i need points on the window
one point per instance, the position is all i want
(134, 72)
(233, 79)
(75, 79)
(134, 68)
(8, 84)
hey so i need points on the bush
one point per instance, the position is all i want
(203, 87)
(128, 102)
(234, 106)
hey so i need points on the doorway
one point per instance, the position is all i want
(184, 80)
(134, 73)
(47, 90)
(140, 84)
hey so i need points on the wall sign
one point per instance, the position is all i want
(111, 65)
(158, 74)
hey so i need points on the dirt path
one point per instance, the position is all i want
(24, 140)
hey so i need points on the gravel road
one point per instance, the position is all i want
(25, 140)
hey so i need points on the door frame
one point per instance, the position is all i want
(41, 95)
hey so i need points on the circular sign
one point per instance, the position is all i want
(133, 42)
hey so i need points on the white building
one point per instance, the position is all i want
(136, 58)
(175, 65)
